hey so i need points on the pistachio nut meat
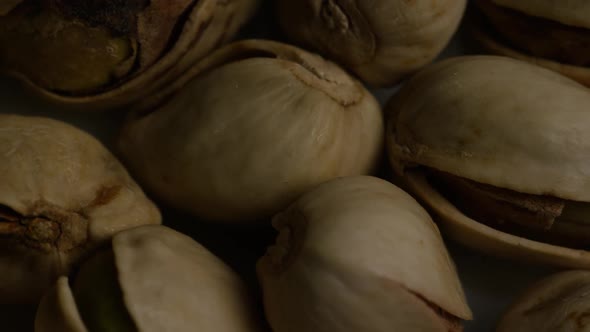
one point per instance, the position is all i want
(381, 41)
(359, 254)
(498, 149)
(150, 278)
(62, 193)
(104, 54)
(550, 33)
(559, 303)
(249, 129)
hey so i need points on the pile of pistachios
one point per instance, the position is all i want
(277, 132)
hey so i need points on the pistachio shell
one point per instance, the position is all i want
(568, 12)
(558, 43)
(381, 41)
(578, 73)
(171, 37)
(58, 311)
(98, 295)
(359, 254)
(559, 303)
(506, 123)
(61, 194)
(261, 124)
(169, 283)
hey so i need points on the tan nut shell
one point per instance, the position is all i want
(209, 24)
(55, 171)
(568, 12)
(264, 123)
(578, 73)
(559, 303)
(381, 41)
(507, 123)
(358, 254)
(169, 283)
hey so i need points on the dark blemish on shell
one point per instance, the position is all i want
(105, 195)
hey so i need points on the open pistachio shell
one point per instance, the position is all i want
(168, 283)
(106, 54)
(251, 128)
(559, 303)
(61, 194)
(508, 125)
(381, 41)
(552, 34)
(359, 254)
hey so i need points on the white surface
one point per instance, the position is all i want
(490, 283)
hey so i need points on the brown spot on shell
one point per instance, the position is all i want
(104, 195)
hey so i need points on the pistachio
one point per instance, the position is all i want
(250, 129)
(507, 172)
(151, 278)
(61, 194)
(108, 53)
(380, 41)
(548, 33)
(559, 303)
(359, 254)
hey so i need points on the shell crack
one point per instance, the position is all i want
(453, 323)
(292, 225)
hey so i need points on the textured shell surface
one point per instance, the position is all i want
(380, 41)
(244, 139)
(506, 123)
(312, 260)
(62, 192)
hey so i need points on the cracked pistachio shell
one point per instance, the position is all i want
(104, 54)
(169, 283)
(359, 254)
(61, 194)
(572, 13)
(254, 126)
(508, 124)
(381, 41)
(559, 303)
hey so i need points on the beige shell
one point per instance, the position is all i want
(506, 123)
(359, 254)
(264, 123)
(61, 194)
(568, 12)
(559, 303)
(207, 25)
(381, 41)
(575, 13)
(578, 73)
(169, 283)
